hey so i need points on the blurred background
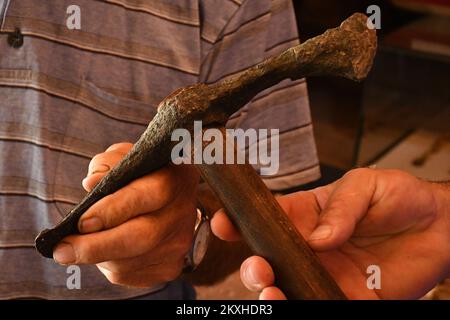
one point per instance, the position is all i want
(398, 118)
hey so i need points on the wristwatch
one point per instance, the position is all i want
(199, 247)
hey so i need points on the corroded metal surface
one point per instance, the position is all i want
(347, 51)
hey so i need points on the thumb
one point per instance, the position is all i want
(346, 206)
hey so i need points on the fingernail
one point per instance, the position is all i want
(84, 181)
(90, 225)
(321, 233)
(251, 279)
(64, 253)
(101, 168)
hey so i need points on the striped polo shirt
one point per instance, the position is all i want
(67, 94)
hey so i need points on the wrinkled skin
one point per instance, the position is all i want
(143, 231)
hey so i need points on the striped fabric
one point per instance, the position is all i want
(66, 95)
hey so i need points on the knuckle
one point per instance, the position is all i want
(97, 158)
(359, 172)
(115, 146)
(96, 161)
(104, 211)
(123, 146)
(165, 195)
(122, 207)
(163, 183)
(107, 218)
(147, 235)
(131, 201)
(86, 252)
(334, 213)
(397, 176)
(336, 216)
(107, 158)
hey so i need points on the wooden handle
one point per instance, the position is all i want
(268, 231)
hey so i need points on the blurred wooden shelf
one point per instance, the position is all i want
(428, 36)
(437, 7)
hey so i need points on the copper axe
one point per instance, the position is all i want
(347, 51)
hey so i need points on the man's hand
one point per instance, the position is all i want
(139, 235)
(369, 217)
